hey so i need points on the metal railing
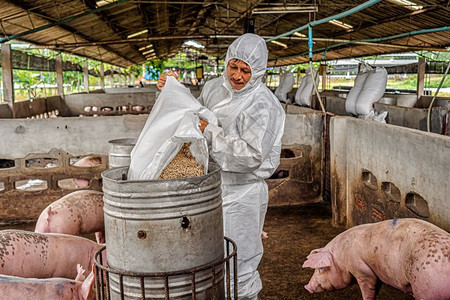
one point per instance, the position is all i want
(103, 277)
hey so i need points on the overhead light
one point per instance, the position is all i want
(20, 46)
(299, 34)
(145, 47)
(408, 4)
(279, 44)
(341, 24)
(147, 52)
(283, 9)
(103, 2)
(193, 44)
(137, 33)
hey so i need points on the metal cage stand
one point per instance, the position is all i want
(103, 275)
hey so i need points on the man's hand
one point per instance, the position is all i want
(202, 125)
(162, 79)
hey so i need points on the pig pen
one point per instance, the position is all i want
(293, 232)
(298, 220)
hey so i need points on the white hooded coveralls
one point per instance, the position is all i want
(247, 146)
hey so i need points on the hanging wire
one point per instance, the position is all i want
(310, 45)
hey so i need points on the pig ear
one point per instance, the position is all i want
(316, 251)
(87, 285)
(80, 273)
(320, 259)
(49, 214)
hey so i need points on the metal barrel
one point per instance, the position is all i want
(119, 152)
(162, 227)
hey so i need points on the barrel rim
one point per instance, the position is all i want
(124, 141)
(119, 170)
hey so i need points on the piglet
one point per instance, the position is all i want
(409, 254)
(77, 213)
(18, 288)
(44, 255)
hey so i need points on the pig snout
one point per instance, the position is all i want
(313, 286)
(81, 183)
(87, 161)
(309, 289)
(317, 289)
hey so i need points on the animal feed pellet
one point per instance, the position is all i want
(182, 165)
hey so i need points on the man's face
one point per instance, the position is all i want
(239, 73)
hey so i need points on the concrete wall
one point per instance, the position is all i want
(28, 142)
(61, 139)
(416, 118)
(303, 136)
(119, 90)
(400, 111)
(5, 111)
(31, 108)
(74, 104)
(76, 135)
(79, 136)
(381, 171)
(403, 100)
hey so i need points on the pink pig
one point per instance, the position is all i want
(87, 161)
(44, 255)
(80, 212)
(409, 254)
(18, 288)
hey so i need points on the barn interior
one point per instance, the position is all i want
(336, 170)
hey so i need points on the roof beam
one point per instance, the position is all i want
(60, 22)
(64, 27)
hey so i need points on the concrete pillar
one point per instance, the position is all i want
(323, 68)
(86, 77)
(59, 75)
(120, 76)
(7, 71)
(420, 76)
(133, 79)
(111, 77)
(102, 77)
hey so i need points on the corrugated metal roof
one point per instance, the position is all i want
(99, 29)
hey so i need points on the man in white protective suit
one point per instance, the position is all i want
(247, 146)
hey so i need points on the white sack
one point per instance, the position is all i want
(306, 88)
(173, 121)
(372, 91)
(352, 97)
(286, 84)
(375, 116)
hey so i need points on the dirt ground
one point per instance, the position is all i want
(293, 233)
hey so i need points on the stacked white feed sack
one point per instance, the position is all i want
(369, 87)
(306, 88)
(286, 84)
(373, 90)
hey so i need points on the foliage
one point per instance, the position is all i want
(188, 60)
(435, 56)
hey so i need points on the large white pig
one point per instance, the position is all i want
(19, 288)
(77, 213)
(44, 255)
(409, 254)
